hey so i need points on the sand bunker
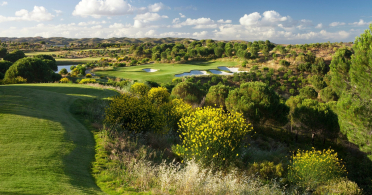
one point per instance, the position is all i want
(192, 73)
(233, 70)
(149, 70)
(220, 72)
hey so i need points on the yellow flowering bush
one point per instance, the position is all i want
(173, 111)
(85, 81)
(134, 114)
(88, 75)
(140, 89)
(64, 80)
(159, 95)
(312, 168)
(212, 135)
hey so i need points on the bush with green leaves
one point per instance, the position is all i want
(14, 56)
(304, 67)
(310, 169)
(339, 186)
(4, 66)
(33, 69)
(49, 60)
(308, 92)
(217, 95)
(328, 94)
(257, 101)
(87, 80)
(267, 170)
(284, 63)
(140, 89)
(317, 82)
(63, 71)
(188, 91)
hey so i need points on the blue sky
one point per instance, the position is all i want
(279, 21)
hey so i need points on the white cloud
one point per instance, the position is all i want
(360, 23)
(320, 25)
(149, 17)
(58, 12)
(224, 22)
(199, 21)
(98, 8)
(38, 14)
(176, 20)
(4, 3)
(157, 7)
(200, 35)
(334, 24)
(182, 16)
(250, 19)
(150, 33)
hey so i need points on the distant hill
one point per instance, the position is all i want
(67, 41)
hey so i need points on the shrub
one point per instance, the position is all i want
(257, 101)
(284, 63)
(188, 91)
(88, 75)
(244, 63)
(265, 68)
(313, 168)
(308, 92)
(4, 66)
(16, 80)
(255, 67)
(85, 81)
(140, 89)
(173, 111)
(292, 91)
(217, 95)
(267, 170)
(158, 95)
(32, 69)
(283, 88)
(63, 71)
(14, 56)
(317, 82)
(48, 59)
(328, 94)
(133, 114)
(339, 186)
(211, 135)
(64, 80)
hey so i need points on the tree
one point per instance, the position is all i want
(355, 106)
(317, 82)
(63, 71)
(49, 60)
(317, 117)
(3, 52)
(14, 56)
(188, 91)
(34, 70)
(257, 101)
(308, 92)
(218, 51)
(328, 94)
(4, 66)
(217, 95)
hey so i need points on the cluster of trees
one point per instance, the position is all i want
(39, 69)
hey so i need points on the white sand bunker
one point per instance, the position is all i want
(233, 70)
(192, 73)
(149, 70)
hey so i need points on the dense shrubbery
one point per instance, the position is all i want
(257, 101)
(140, 89)
(217, 95)
(309, 169)
(211, 135)
(328, 94)
(308, 92)
(64, 80)
(188, 91)
(32, 69)
(14, 56)
(159, 95)
(88, 80)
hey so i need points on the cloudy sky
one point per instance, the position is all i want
(290, 21)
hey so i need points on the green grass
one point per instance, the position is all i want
(165, 72)
(68, 61)
(44, 149)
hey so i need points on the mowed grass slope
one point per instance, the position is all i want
(165, 71)
(43, 148)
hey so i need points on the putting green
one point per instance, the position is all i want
(44, 149)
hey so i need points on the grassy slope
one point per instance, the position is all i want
(43, 148)
(165, 72)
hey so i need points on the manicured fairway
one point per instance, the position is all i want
(43, 148)
(165, 72)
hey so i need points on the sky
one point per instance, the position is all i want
(282, 22)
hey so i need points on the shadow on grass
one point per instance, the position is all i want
(53, 103)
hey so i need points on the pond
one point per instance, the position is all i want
(64, 66)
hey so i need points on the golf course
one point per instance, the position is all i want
(44, 147)
(165, 71)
